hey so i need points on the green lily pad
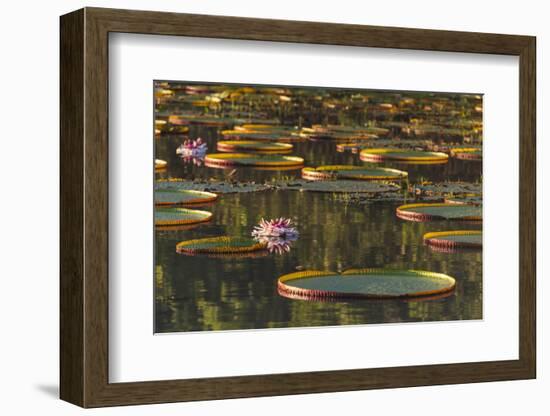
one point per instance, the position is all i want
(467, 153)
(253, 146)
(351, 172)
(218, 187)
(244, 159)
(439, 211)
(402, 144)
(365, 283)
(452, 239)
(219, 245)
(414, 156)
(180, 216)
(183, 197)
(270, 136)
(331, 130)
(160, 164)
(466, 199)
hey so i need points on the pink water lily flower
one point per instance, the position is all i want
(279, 227)
(193, 148)
(277, 235)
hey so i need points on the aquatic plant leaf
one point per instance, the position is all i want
(438, 211)
(219, 245)
(467, 153)
(351, 172)
(218, 187)
(451, 239)
(341, 186)
(253, 146)
(382, 154)
(365, 283)
(180, 216)
(160, 164)
(244, 159)
(183, 197)
(470, 199)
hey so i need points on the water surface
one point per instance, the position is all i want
(197, 293)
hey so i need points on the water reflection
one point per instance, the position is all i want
(192, 294)
(225, 292)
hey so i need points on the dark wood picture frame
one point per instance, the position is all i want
(84, 207)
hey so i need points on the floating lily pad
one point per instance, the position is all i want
(253, 146)
(455, 239)
(265, 135)
(180, 216)
(173, 129)
(439, 211)
(208, 120)
(365, 283)
(220, 245)
(351, 172)
(264, 127)
(218, 187)
(413, 156)
(183, 197)
(466, 199)
(352, 130)
(467, 153)
(160, 164)
(178, 120)
(340, 136)
(244, 159)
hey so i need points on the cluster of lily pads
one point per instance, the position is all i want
(252, 123)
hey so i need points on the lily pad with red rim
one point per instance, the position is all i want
(365, 283)
(439, 211)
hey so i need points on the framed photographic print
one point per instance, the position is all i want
(256, 207)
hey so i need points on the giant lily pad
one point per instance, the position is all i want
(183, 197)
(220, 245)
(469, 199)
(244, 159)
(439, 211)
(180, 216)
(365, 283)
(270, 136)
(413, 156)
(253, 146)
(351, 130)
(351, 172)
(455, 239)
